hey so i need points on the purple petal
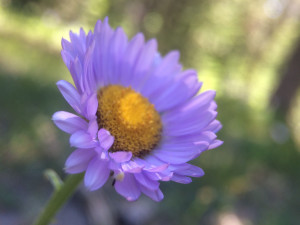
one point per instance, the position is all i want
(158, 168)
(116, 53)
(66, 45)
(76, 73)
(144, 64)
(165, 175)
(96, 174)
(181, 179)
(146, 181)
(79, 160)
(77, 43)
(106, 140)
(103, 35)
(132, 52)
(213, 106)
(128, 188)
(179, 156)
(215, 144)
(91, 106)
(70, 94)
(120, 157)
(163, 74)
(66, 56)
(214, 126)
(89, 82)
(132, 167)
(69, 122)
(82, 139)
(190, 125)
(189, 170)
(190, 139)
(76, 48)
(93, 128)
(194, 107)
(168, 64)
(147, 56)
(153, 164)
(155, 195)
(207, 136)
(177, 92)
(200, 102)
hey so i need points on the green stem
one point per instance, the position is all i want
(58, 198)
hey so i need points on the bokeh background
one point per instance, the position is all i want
(247, 50)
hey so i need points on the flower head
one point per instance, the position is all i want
(138, 114)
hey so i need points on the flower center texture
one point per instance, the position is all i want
(130, 118)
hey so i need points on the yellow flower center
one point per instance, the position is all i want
(130, 118)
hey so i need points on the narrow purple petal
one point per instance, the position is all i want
(214, 126)
(66, 56)
(70, 94)
(195, 106)
(89, 82)
(168, 64)
(82, 139)
(132, 167)
(215, 144)
(96, 174)
(165, 175)
(181, 179)
(76, 73)
(106, 140)
(207, 136)
(147, 56)
(93, 128)
(91, 106)
(79, 160)
(200, 102)
(144, 64)
(190, 139)
(128, 188)
(180, 155)
(177, 157)
(155, 195)
(152, 163)
(120, 157)
(66, 45)
(213, 106)
(103, 37)
(115, 54)
(158, 168)
(69, 122)
(146, 181)
(77, 43)
(163, 74)
(177, 92)
(190, 170)
(132, 52)
(191, 125)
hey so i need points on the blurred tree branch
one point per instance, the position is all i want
(289, 83)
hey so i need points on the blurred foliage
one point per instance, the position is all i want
(239, 47)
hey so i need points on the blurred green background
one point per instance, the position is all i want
(247, 50)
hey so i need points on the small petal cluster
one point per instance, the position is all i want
(186, 125)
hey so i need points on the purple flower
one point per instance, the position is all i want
(140, 117)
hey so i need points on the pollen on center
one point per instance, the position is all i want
(130, 118)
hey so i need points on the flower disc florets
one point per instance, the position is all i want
(130, 118)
